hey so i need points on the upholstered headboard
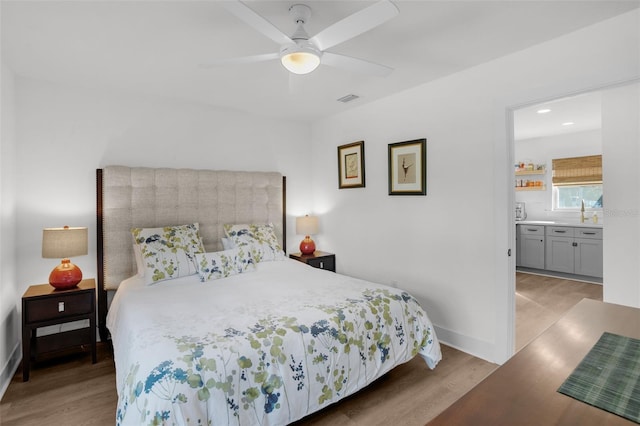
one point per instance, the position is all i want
(129, 197)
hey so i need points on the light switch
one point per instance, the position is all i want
(60, 306)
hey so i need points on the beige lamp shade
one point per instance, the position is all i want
(59, 243)
(307, 225)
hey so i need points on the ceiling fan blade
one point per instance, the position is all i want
(356, 65)
(354, 25)
(241, 60)
(256, 21)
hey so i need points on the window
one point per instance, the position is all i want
(571, 196)
(575, 180)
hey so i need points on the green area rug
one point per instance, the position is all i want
(609, 377)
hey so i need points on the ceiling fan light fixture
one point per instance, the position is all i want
(300, 59)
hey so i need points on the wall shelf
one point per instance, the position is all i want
(531, 188)
(530, 172)
(536, 172)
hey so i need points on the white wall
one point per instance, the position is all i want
(542, 151)
(66, 133)
(449, 248)
(621, 180)
(10, 290)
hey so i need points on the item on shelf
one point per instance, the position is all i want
(528, 166)
(521, 214)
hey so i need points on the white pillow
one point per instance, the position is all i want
(137, 252)
(222, 264)
(168, 252)
(227, 243)
(261, 237)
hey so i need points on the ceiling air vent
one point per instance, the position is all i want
(348, 98)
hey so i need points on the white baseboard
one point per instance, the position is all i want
(10, 368)
(478, 348)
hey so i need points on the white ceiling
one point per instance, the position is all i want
(584, 111)
(155, 47)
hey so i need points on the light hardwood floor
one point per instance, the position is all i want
(73, 391)
(541, 301)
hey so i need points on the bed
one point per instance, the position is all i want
(242, 335)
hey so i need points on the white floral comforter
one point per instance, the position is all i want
(266, 347)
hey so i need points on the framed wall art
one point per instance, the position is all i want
(408, 168)
(351, 165)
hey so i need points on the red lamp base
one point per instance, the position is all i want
(65, 275)
(307, 246)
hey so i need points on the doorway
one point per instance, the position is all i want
(569, 127)
(621, 176)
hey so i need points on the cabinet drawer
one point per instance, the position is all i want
(65, 305)
(532, 229)
(560, 231)
(595, 233)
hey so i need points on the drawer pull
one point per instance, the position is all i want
(321, 265)
(532, 230)
(60, 306)
(559, 232)
(589, 233)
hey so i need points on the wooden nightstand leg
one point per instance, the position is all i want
(26, 352)
(94, 355)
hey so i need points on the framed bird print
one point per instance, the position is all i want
(408, 168)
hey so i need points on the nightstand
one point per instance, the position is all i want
(317, 259)
(43, 305)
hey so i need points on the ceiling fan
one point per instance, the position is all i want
(301, 54)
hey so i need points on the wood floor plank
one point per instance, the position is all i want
(64, 391)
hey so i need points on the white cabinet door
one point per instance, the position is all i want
(588, 257)
(559, 254)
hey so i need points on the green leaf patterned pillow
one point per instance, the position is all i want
(262, 238)
(168, 252)
(263, 252)
(222, 264)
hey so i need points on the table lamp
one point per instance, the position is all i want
(63, 243)
(307, 225)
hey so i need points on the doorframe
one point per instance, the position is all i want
(511, 222)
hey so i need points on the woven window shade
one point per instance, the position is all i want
(577, 170)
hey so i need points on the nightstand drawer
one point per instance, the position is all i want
(326, 262)
(65, 305)
(317, 259)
